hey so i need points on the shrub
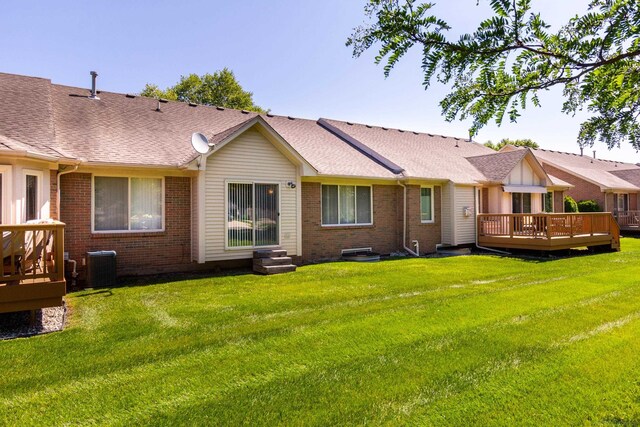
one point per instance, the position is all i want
(588, 206)
(570, 204)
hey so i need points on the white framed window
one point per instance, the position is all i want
(32, 180)
(347, 205)
(622, 202)
(127, 204)
(426, 205)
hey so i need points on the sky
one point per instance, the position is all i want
(290, 53)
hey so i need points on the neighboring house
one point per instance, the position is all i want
(605, 181)
(119, 170)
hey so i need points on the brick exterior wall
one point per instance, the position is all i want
(427, 234)
(53, 194)
(137, 253)
(384, 236)
(582, 190)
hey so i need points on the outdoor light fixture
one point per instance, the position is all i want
(291, 184)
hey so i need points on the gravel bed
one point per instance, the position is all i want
(16, 325)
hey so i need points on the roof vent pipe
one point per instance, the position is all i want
(581, 151)
(94, 93)
(594, 154)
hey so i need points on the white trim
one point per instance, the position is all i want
(524, 189)
(39, 197)
(202, 229)
(355, 224)
(129, 230)
(7, 194)
(253, 231)
(433, 214)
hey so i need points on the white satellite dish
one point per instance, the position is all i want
(200, 143)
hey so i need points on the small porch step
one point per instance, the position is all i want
(269, 253)
(272, 261)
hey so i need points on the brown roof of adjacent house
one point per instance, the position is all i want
(595, 170)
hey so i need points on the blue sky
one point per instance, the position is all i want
(290, 54)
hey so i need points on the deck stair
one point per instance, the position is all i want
(272, 261)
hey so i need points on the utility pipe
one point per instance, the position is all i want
(475, 195)
(404, 229)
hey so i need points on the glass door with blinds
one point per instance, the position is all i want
(253, 214)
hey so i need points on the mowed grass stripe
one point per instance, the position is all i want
(337, 343)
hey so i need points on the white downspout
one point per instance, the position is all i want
(404, 222)
(75, 168)
(74, 272)
(476, 208)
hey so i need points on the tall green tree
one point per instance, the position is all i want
(503, 65)
(515, 142)
(220, 88)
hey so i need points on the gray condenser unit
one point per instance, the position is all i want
(101, 268)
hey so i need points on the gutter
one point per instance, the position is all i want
(29, 154)
(75, 168)
(404, 221)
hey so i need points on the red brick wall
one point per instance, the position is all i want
(428, 234)
(384, 236)
(583, 190)
(633, 201)
(53, 194)
(324, 243)
(137, 253)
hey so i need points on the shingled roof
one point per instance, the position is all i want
(497, 166)
(62, 122)
(598, 171)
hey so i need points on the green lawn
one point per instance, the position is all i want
(480, 340)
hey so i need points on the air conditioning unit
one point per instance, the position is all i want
(101, 269)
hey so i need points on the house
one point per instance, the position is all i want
(121, 173)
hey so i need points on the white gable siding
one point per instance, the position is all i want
(446, 216)
(465, 226)
(523, 174)
(250, 157)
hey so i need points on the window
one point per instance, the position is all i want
(521, 202)
(547, 202)
(426, 204)
(127, 204)
(32, 194)
(622, 202)
(346, 205)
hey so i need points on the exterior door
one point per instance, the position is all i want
(253, 215)
(267, 216)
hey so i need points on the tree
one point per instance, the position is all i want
(515, 142)
(512, 56)
(220, 88)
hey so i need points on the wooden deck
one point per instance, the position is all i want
(548, 232)
(33, 266)
(628, 220)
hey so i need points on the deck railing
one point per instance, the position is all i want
(32, 252)
(581, 228)
(628, 220)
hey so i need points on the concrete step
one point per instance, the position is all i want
(273, 269)
(269, 253)
(279, 260)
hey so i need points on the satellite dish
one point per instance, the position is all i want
(200, 143)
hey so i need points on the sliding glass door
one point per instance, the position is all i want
(253, 214)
